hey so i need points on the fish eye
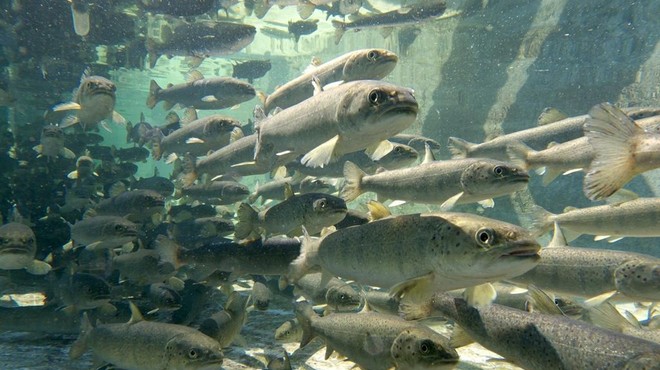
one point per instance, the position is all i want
(485, 237)
(425, 347)
(320, 204)
(498, 170)
(375, 97)
(287, 333)
(119, 228)
(372, 55)
(192, 354)
(29, 241)
(398, 149)
(343, 297)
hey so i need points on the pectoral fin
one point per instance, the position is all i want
(38, 268)
(322, 154)
(379, 150)
(416, 289)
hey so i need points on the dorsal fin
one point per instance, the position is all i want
(558, 238)
(136, 315)
(288, 190)
(550, 115)
(194, 75)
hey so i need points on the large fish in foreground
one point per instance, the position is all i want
(622, 150)
(363, 64)
(146, 345)
(369, 339)
(541, 341)
(419, 254)
(93, 102)
(353, 116)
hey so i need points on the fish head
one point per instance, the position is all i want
(218, 127)
(420, 348)
(52, 131)
(148, 199)
(18, 245)
(369, 64)
(326, 210)
(94, 86)
(237, 91)
(639, 280)
(237, 302)
(314, 184)
(343, 298)
(400, 156)
(371, 111)
(492, 178)
(164, 296)
(120, 228)
(193, 351)
(289, 332)
(491, 250)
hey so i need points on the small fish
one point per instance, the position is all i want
(143, 267)
(217, 192)
(250, 69)
(146, 345)
(135, 154)
(82, 291)
(441, 182)
(93, 102)
(164, 297)
(289, 332)
(540, 341)
(337, 294)
(224, 326)
(261, 296)
(637, 217)
(363, 64)
(413, 14)
(18, 247)
(201, 93)
(51, 144)
(368, 338)
(103, 232)
(136, 205)
(300, 28)
(314, 211)
(138, 133)
(622, 150)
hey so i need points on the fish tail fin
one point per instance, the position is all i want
(306, 260)
(80, 345)
(460, 148)
(129, 128)
(352, 188)
(340, 29)
(542, 220)
(152, 99)
(611, 134)
(261, 7)
(520, 154)
(305, 314)
(305, 9)
(248, 218)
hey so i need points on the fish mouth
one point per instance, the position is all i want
(522, 251)
(97, 92)
(14, 250)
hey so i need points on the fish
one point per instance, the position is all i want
(400, 156)
(225, 326)
(637, 217)
(217, 192)
(300, 28)
(18, 248)
(103, 232)
(79, 291)
(198, 231)
(562, 158)
(413, 14)
(93, 102)
(183, 212)
(135, 154)
(178, 8)
(250, 69)
(368, 338)
(448, 182)
(229, 160)
(414, 349)
(260, 296)
(51, 144)
(417, 142)
(337, 294)
(541, 341)
(537, 138)
(141, 133)
(201, 93)
(269, 257)
(164, 297)
(279, 363)
(445, 251)
(144, 266)
(38, 319)
(135, 205)
(289, 332)
(275, 189)
(80, 15)
(597, 274)
(622, 150)
(314, 211)
(145, 345)
(362, 64)
(159, 184)
(200, 40)
(353, 116)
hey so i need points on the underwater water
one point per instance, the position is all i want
(146, 145)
